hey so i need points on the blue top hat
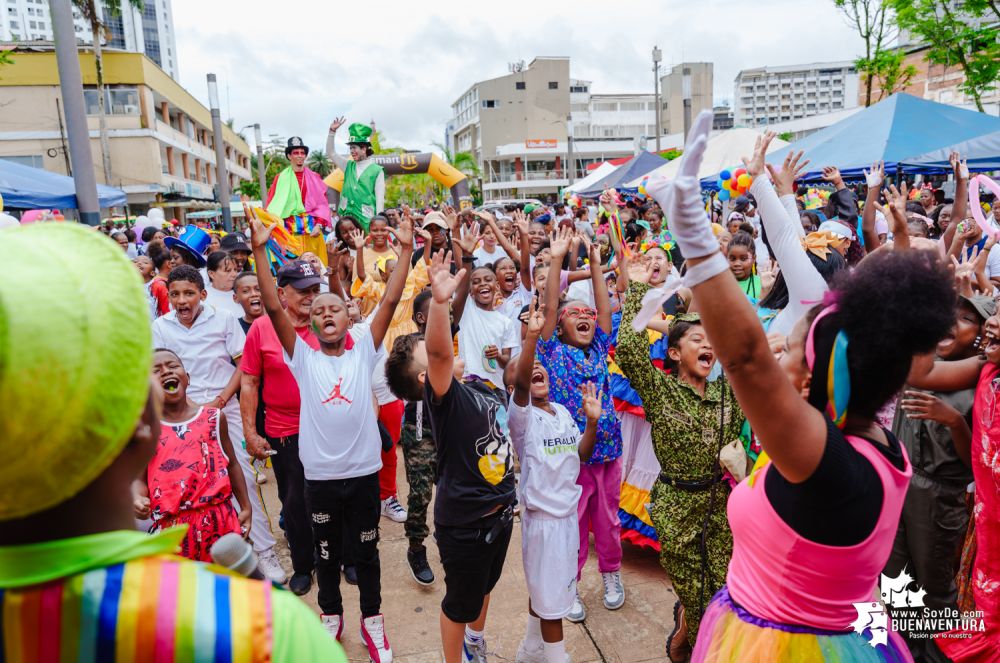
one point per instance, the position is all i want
(193, 240)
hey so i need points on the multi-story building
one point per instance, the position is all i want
(768, 95)
(722, 117)
(692, 80)
(160, 136)
(149, 30)
(518, 127)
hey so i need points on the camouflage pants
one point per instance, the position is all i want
(420, 460)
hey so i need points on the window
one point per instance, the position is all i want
(41, 25)
(33, 160)
(581, 89)
(553, 85)
(33, 25)
(14, 25)
(606, 106)
(117, 101)
(490, 103)
(632, 106)
(519, 85)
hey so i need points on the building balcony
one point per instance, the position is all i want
(535, 179)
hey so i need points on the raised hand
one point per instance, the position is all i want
(920, 405)
(831, 174)
(536, 318)
(559, 242)
(768, 274)
(443, 282)
(784, 182)
(469, 239)
(520, 222)
(958, 166)
(755, 164)
(357, 238)
(876, 176)
(337, 123)
(259, 233)
(640, 270)
(404, 232)
(896, 204)
(591, 401)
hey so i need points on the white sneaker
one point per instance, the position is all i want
(578, 612)
(334, 625)
(473, 652)
(526, 654)
(393, 510)
(270, 566)
(614, 591)
(373, 635)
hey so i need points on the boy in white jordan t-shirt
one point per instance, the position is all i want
(550, 448)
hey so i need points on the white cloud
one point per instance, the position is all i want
(294, 65)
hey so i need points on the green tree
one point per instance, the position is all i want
(88, 8)
(250, 189)
(319, 163)
(466, 163)
(890, 73)
(875, 26)
(967, 38)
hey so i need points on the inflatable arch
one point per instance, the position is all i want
(417, 164)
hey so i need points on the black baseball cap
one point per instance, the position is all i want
(299, 274)
(234, 242)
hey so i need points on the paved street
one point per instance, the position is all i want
(634, 633)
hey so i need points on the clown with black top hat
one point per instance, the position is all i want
(363, 193)
(298, 197)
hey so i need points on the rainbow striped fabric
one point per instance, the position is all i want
(158, 609)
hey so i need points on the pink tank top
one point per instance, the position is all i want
(781, 576)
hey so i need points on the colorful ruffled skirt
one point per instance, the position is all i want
(729, 633)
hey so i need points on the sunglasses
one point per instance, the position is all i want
(578, 312)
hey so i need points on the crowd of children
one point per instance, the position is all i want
(648, 371)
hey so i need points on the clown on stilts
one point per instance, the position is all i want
(363, 193)
(298, 197)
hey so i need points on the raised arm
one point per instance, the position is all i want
(333, 258)
(526, 360)
(521, 223)
(874, 181)
(602, 301)
(792, 432)
(784, 233)
(559, 244)
(463, 246)
(394, 289)
(896, 206)
(960, 208)
(357, 238)
(438, 339)
(259, 234)
(331, 150)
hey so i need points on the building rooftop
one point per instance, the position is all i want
(785, 69)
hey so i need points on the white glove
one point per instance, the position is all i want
(874, 178)
(681, 198)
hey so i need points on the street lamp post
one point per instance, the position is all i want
(221, 173)
(78, 133)
(261, 168)
(657, 56)
(569, 149)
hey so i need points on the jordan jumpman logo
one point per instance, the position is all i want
(336, 396)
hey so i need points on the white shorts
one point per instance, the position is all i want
(549, 549)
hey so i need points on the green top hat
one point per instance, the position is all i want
(359, 134)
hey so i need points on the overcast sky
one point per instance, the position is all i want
(295, 64)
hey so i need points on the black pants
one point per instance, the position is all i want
(292, 493)
(346, 508)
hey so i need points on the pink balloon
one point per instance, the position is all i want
(32, 215)
(976, 208)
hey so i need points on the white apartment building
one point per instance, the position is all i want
(149, 30)
(769, 95)
(518, 127)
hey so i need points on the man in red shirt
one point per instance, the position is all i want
(263, 361)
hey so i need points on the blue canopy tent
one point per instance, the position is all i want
(24, 187)
(892, 131)
(635, 167)
(982, 153)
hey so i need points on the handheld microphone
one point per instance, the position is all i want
(235, 554)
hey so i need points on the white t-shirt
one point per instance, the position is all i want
(993, 263)
(338, 429)
(476, 330)
(548, 446)
(380, 385)
(206, 349)
(511, 307)
(221, 300)
(484, 257)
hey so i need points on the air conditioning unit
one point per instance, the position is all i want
(131, 109)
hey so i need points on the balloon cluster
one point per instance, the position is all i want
(815, 198)
(733, 183)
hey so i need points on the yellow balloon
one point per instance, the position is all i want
(726, 185)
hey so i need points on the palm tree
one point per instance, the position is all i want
(463, 161)
(89, 10)
(319, 163)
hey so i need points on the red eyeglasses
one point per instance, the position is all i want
(578, 312)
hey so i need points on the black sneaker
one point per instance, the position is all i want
(351, 575)
(300, 583)
(418, 566)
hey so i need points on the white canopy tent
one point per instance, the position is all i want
(596, 174)
(724, 150)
